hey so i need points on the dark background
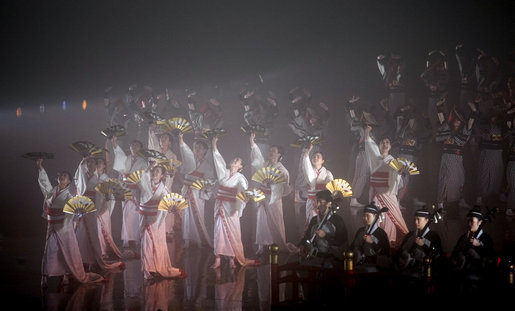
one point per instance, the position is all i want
(72, 50)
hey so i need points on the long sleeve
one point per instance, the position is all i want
(80, 178)
(256, 158)
(220, 165)
(308, 171)
(44, 183)
(188, 159)
(120, 159)
(374, 159)
(153, 140)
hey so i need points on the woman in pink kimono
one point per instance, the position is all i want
(155, 259)
(317, 177)
(87, 177)
(270, 222)
(195, 164)
(61, 255)
(228, 210)
(384, 185)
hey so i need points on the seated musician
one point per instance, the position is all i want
(371, 246)
(419, 244)
(329, 238)
(474, 254)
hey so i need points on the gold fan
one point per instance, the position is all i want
(115, 130)
(340, 185)
(404, 164)
(203, 184)
(135, 177)
(37, 155)
(170, 165)
(79, 205)
(172, 201)
(255, 194)
(258, 129)
(176, 125)
(150, 153)
(306, 140)
(209, 134)
(269, 175)
(86, 148)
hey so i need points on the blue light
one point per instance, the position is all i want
(64, 105)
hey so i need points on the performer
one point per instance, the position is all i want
(162, 142)
(61, 255)
(491, 163)
(317, 177)
(105, 211)
(228, 210)
(330, 239)
(468, 78)
(155, 259)
(384, 185)
(125, 165)
(89, 228)
(474, 253)
(270, 222)
(454, 135)
(419, 243)
(361, 169)
(436, 79)
(195, 164)
(371, 246)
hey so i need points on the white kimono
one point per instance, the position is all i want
(193, 221)
(317, 180)
(61, 254)
(126, 165)
(153, 143)
(270, 222)
(384, 185)
(154, 249)
(228, 210)
(91, 235)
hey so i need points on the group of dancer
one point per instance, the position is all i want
(483, 114)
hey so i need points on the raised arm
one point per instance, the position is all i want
(256, 158)
(188, 158)
(374, 158)
(120, 157)
(220, 165)
(44, 182)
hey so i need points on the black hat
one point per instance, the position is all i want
(371, 208)
(475, 212)
(422, 212)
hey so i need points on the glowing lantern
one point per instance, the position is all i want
(84, 105)
(18, 112)
(64, 105)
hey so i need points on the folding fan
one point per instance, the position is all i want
(255, 194)
(404, 164)
(268, 176)
(306, 140)
(37, 155)
(150, 153)
(151, 117)
(203, 183)
(115, 130)
(86, 148)
(113, 189)
(79, 205)
(135, 177)
(340, 185)
(176, 125)
(209, 134)
(170, 165)
(258, 129)
(172, 202)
